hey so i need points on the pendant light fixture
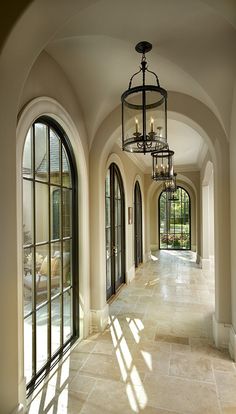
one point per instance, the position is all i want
(162, 165)
(144, 110)
(170, 185)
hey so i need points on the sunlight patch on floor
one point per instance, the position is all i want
(137, 396)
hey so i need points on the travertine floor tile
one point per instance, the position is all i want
(156, 355)
(191, 366)
(226, 386)
(187, 396)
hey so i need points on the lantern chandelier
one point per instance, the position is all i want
(170, 186)
(162, 165)
(144, 111)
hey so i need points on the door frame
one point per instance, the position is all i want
(138, 193)
(114, 169)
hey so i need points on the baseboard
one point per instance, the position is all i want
(232, 343)
(212, 263)
(130, 274)
(99, 319)
(221, 333)
(22, 395)
(19, 409)
(148, 256)
(205, 263)
(84, 323)
(154, 247)
(198, 259)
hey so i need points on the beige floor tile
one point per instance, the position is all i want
(110, 397)
(191, 366)
(101, 366)
(226, 386)
(187, 396)
(223, 365)
(82, 383)
(180, 348)
(228, 408)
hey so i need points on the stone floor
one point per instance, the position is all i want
(155, 357)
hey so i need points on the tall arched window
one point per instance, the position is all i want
(115, 230)
(50, 247)
(175, 221)
(138, 236)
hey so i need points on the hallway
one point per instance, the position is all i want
(155, 357)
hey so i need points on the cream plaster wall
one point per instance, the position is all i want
(233, 209)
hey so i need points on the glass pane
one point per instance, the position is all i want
(41, 212)
(118, 190)
(119, 265)
(116, 212)
(119, 231)
(108, 212)
(115, 186)
(108, 243)
(55, 164)
(67, 314)
(55, 268)
(28, 212)
(28, 279)
(42, 274)
(42, 336)
(108, 184)
(119, 212)
(66, 171)
(66, 211)
(27, 155)
(28, 348)
(116, 268)
(56, 324)
(55, 213)
(41, 152)
(108, 273)
(67, 264)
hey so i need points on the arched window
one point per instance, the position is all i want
(175, 220)
(138, 237)
(115, 230)
(49, 247)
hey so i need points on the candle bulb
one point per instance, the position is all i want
(136, 125)
(159, 131)
(152, 124)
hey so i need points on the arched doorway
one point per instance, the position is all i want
(49, 247)
(115, 231)
(138, 236)
(175, 220)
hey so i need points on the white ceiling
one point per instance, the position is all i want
(193, 53)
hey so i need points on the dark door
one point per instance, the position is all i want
(138, 244)
(115, 231)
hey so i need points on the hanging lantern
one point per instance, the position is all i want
(144, 111)
(170, 185)
(173, 197)
(162, 165)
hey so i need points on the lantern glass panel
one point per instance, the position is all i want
(144, 120)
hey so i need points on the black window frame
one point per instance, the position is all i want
(52, 359)
(174, 233)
